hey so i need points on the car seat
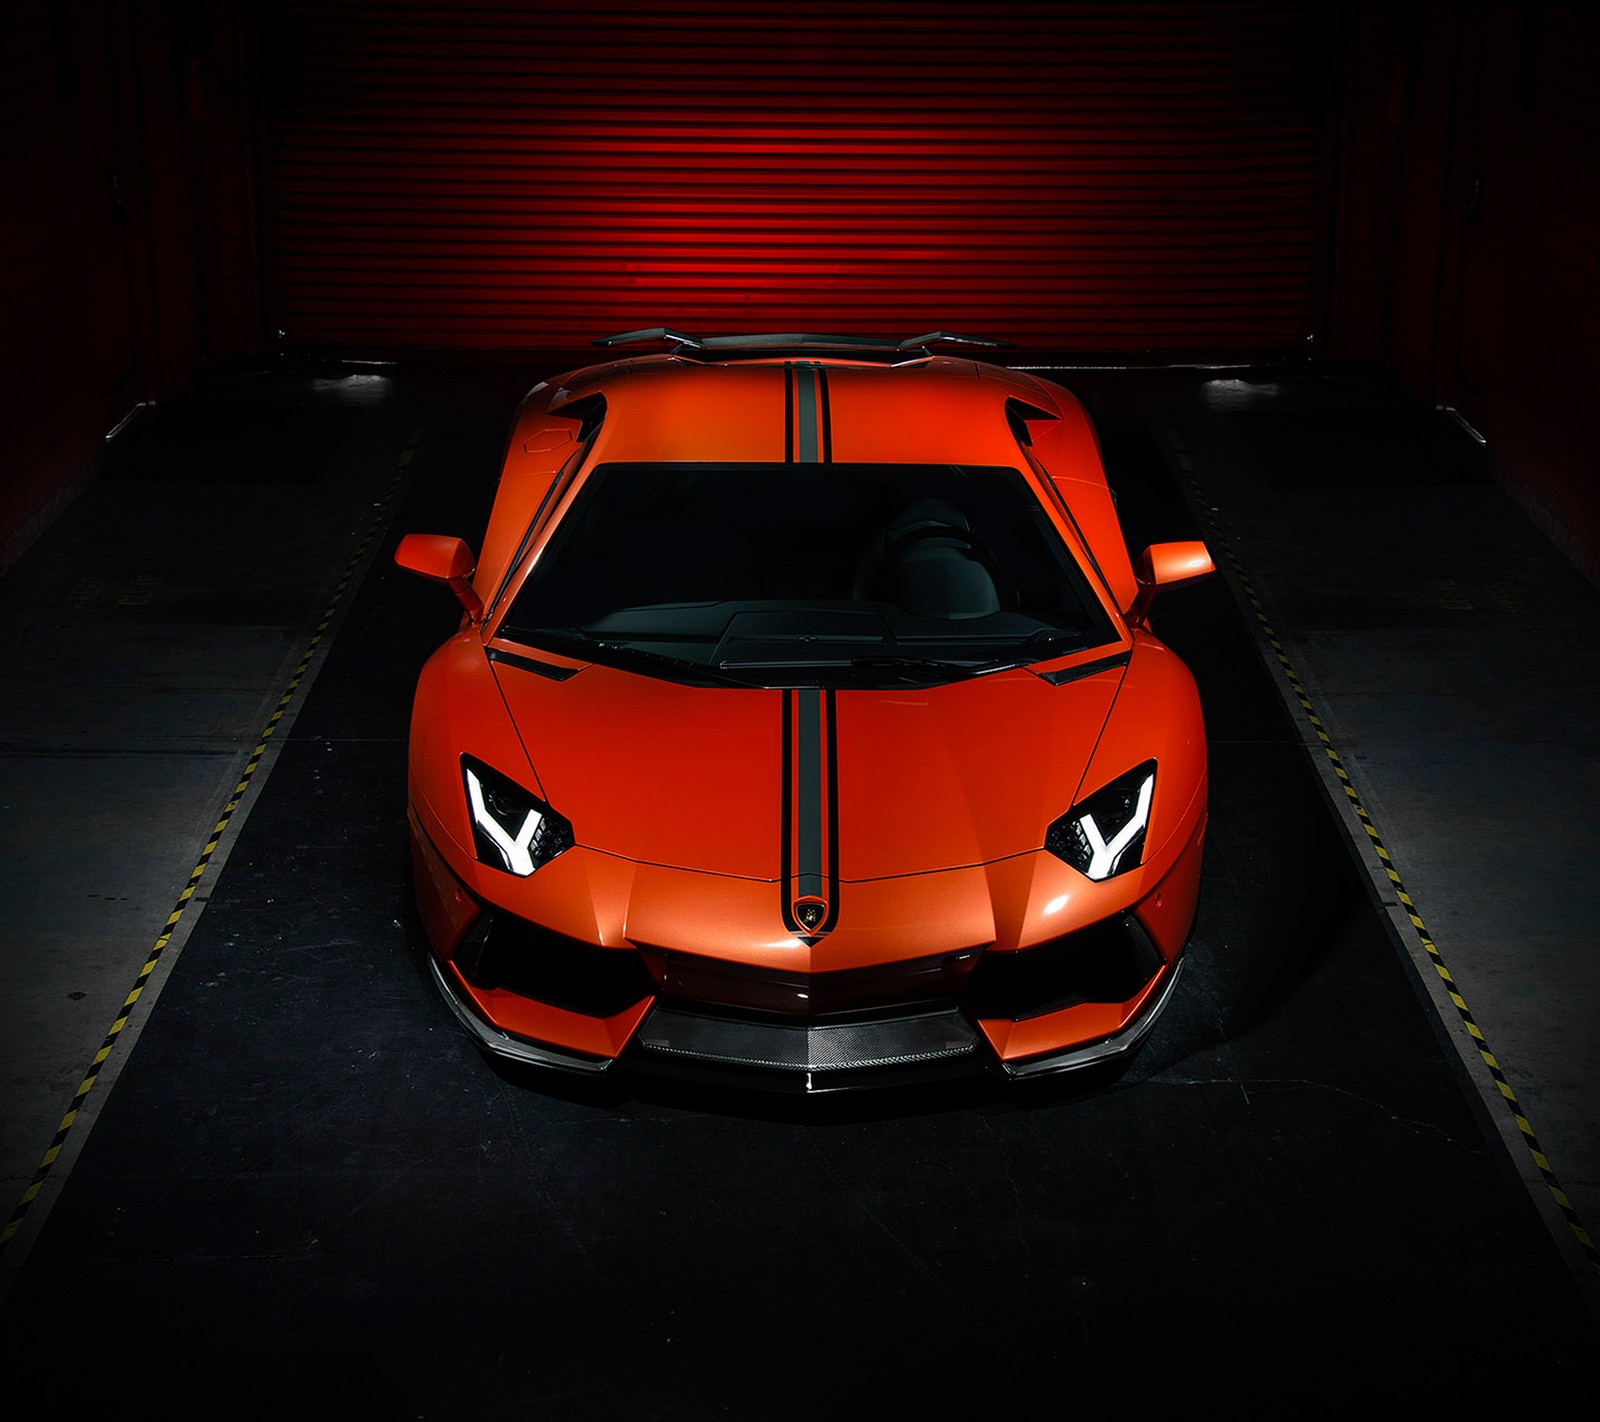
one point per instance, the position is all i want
(926, 562)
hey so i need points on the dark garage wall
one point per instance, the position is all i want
(1469, 235)
(75, 282)
(1518, 344)
(124, 231)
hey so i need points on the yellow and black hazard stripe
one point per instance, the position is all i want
(1219, 541)
(374, 529)
(810, 810)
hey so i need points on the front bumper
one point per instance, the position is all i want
(686, 1041)
(527, 994)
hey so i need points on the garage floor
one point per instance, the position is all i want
(257, 1166)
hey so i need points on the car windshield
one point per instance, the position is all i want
(807, 574)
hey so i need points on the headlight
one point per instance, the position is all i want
(1104, 835)
(510, 828)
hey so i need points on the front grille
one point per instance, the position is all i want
(503, 951)
(688, 977)
(792, 1047)
(893, 1013)
(1107, 962)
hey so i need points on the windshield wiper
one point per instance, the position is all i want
(573, 642)
(932, 666)
(687, 671)
(1037, 647)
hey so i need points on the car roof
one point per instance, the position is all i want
(857, 412)
(768, 404)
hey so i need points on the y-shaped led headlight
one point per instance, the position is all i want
(1104, 834)
(510, 828)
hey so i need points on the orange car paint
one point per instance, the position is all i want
(942, 794)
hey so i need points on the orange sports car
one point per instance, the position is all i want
(803, 727)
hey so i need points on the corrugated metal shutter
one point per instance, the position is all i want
(1079, 177)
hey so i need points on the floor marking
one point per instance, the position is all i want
(375, 526)
(1219, 540)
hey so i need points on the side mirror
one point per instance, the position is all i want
(441, 559)
(1167, 565)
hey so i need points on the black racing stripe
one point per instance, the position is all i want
(808, 423)
(787, 769)
(810, 776)
(826, 417)
(788, 417)
(831, 893)
(808, 768)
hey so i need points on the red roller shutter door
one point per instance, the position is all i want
(1114, 177)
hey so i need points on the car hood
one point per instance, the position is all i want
(910, 780)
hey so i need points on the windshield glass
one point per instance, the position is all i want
(807, 574)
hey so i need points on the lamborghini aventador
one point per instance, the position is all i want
(804, 727)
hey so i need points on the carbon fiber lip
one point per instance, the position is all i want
(807, 1057)
(1106, 1049)
(503, 1044)
(926, 1038)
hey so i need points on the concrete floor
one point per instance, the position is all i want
(1449, 654)
(1453, 658)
